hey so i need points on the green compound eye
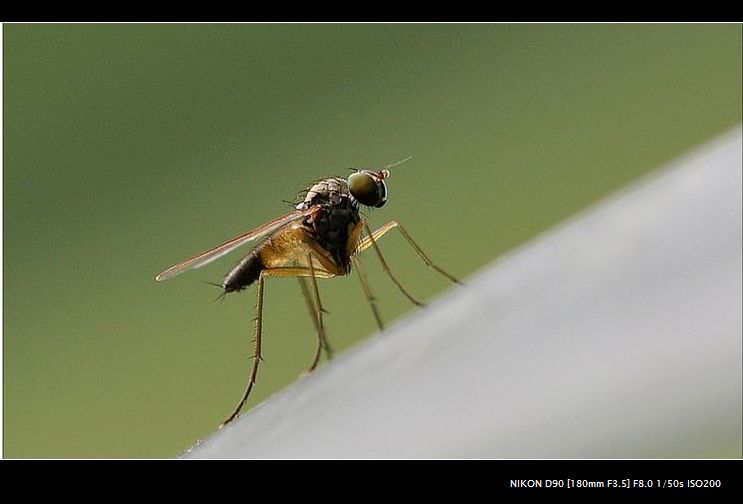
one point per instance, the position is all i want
(368, 189)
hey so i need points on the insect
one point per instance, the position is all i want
(320, 238)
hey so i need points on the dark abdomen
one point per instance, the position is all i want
(245, 273)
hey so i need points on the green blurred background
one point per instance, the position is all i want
(131, 147)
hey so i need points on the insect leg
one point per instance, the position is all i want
(323, 341)
(370, 241)
(256, 352)
(315, 308)
(313, 313)
(367, 291)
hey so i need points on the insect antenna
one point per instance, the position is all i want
(398, 162)
(385, 172)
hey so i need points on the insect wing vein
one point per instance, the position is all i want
(230, 245)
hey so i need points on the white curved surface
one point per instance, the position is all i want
(616, 335)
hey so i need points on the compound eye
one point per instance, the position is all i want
(367, 189)
(382, 188)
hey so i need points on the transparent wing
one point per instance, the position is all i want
(230, 245)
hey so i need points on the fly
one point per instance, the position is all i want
(321, 238)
